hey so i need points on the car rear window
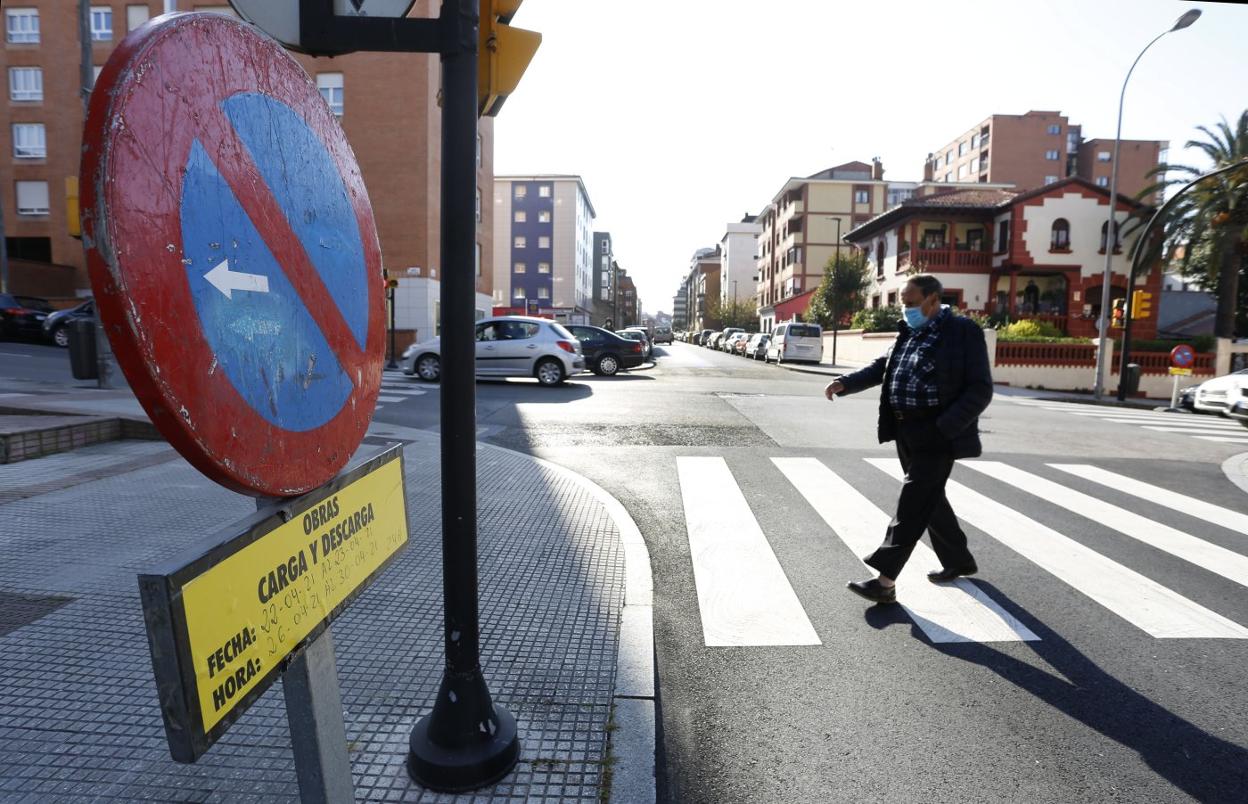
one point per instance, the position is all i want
(799, 331)
(560, 330)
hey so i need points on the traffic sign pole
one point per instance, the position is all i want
(466, 742)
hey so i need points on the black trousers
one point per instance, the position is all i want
(927, 458)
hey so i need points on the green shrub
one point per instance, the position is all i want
(1029, 329)
(878, 319)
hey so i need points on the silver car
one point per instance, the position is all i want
(507, 346)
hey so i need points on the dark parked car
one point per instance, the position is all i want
(22, 316)
(605, 352)
(56, 326)
(640, 336)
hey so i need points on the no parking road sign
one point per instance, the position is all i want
(233, 253)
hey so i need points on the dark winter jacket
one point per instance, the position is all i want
(963, 377)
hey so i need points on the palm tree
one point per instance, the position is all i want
(1211, 220)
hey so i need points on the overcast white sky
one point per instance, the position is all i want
(682, 115)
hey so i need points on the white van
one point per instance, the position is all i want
(795, 341)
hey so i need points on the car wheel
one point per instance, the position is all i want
(60, 336)
(608, 365)
(549, 372)
(429, 368)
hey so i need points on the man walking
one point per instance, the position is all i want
(936, 382)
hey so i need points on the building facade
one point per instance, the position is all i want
(1038, 254)
(385, 102)
(604, 280)
(1038, 148)
(701, 288)
(543, 228)
(800, 229)
(630, 307)
(739, 260)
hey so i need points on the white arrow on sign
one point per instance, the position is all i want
(227, 281)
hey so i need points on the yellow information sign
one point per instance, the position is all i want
(232, 615)
(1181, 372)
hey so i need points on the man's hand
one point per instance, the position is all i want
(833, 388)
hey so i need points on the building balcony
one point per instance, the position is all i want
(791, 209)
(943, 259)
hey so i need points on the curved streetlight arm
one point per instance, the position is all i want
(1141, 248)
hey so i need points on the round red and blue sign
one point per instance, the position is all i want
(233, 253)
(1182, 356)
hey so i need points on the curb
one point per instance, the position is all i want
(1236, 470)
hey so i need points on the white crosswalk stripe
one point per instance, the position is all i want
(1213, 514)
(1223, 439)
(1203, 428)
(958, 612)
(743, 594)
(1155, 609)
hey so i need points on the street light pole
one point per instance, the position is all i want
(1111, 226)
(835, 262)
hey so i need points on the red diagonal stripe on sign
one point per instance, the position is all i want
(235, 164)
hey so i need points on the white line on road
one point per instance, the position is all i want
(1213, 514)
(1141, 601)
(743, 594)
(1226, 440)
(957, 612)
(1206, 555)
(1187, 430)
(390, 399)
(405, 391)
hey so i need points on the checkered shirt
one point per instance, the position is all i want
(912, 384)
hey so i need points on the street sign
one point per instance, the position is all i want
(1183, 356)
(221, 621)
(1181, 372)
(280, 18)
(233, 253)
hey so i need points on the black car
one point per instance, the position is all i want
(22, 316)
(605, 352)
(56, 326)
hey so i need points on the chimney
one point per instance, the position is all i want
(927, 169)
(877, 169)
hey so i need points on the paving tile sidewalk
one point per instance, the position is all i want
(78, 712)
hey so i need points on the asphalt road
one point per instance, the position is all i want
(1112, 664)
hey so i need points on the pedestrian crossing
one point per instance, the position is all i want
(398, 387)
(745, 597)
(1202, 428)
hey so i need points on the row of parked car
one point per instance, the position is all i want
(1226, 395)
(789, 342)
(31, 318)
(524, 346)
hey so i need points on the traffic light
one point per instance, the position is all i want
(503, 54)
(1141, 304)
(1120, 311)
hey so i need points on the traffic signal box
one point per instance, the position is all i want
(1119, 314)
(1141, 304)
(504, 54)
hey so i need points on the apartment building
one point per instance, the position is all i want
(545, 256)
(630, 305)
(604, 280)
(386, 103)
(680, 309)
(1037, 254)
(700, 288)
(800, 229)
(739, 259)
(1038, 148)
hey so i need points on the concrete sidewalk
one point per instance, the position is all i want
(79, 718)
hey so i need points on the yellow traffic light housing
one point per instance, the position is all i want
(504, 54)
(1141, 304)
(73, 221)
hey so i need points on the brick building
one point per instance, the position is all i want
(1038, 254)
(386, 103)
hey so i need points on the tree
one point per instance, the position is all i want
(726, 313)
(1211, 221)
(845, 279)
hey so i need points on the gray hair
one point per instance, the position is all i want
(927, 284)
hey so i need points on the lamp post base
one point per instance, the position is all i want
(466, 742)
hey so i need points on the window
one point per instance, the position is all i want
(543, 267)
(961, 148)
(543, 191)
(25, 84)
(543, 293)
(32, 198)
(1104, 228)
(881, 251)
(101, 23)
(520, 267)
(1003, 235)
(862, 196)
(29, 141)
(520, 241)
(478, 205)
(961, 171)
(479, 141)
(948, 158)
(521, 216)
(1059, 236)
(516, 293)
(543, 216)
(21, 26)
(136, 16)
(1103, 156)
(1050, 179)
(1055, 129)
(975, 165)
(974, 141)
(606, 246)
(519, 191)
(1102, 181)
(1051, 155)
(330, 85)
(543, 242)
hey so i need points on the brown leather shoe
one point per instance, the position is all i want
(873, 590)
(947, 574)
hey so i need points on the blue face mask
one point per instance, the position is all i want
(914, 317)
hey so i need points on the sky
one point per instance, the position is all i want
(683, 115)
